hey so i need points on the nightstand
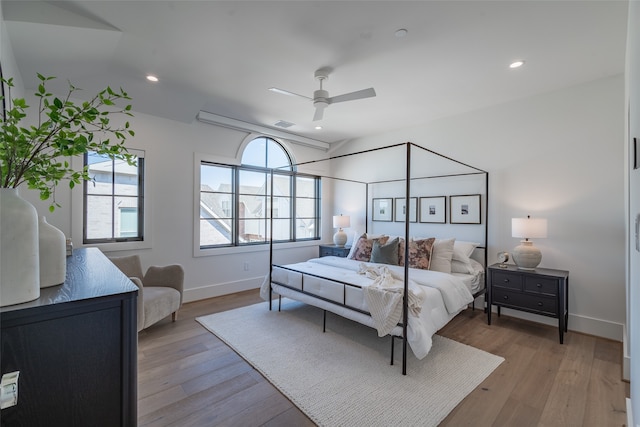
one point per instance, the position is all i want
(541, 291)
(333, 250)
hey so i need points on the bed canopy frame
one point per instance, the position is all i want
(386, 167)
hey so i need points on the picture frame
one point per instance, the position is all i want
(400, 209)
(433, 209)
(464, 209)
(382, 209)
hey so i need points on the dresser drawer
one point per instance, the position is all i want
(537, 303)
(505, 279)
(541, 285)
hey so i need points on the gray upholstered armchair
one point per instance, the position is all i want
(160, 289)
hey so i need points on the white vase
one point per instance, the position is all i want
(53, 251)
(19, 256)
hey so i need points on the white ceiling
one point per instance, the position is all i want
(222, 56)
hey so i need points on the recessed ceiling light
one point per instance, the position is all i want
(516, 64)
(401, 32)
(318, 127)
(152, 78)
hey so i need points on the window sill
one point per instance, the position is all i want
(119, 246)
(251, 248)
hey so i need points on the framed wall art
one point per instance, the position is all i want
(433, 209)
(382, 210)
(400, 209)
(464, 209)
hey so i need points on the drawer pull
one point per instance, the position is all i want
(540, 304)
(538, 285)
(506, 297)
(506, 280)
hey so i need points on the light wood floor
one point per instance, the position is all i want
(188, 377)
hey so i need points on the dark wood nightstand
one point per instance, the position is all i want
(333, 250)
(541, 291)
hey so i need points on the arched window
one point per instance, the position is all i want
(266, 153)
(236, 205)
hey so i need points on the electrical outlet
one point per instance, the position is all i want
(9, 390)
(246, 266)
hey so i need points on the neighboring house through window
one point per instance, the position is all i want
(235, 201)
(113, 199)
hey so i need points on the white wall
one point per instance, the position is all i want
(559, 156)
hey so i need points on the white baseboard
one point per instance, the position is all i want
(629, 413)
(586, 325)
(626, 358)
(219, 289)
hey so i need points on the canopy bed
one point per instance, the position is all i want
(415, 266)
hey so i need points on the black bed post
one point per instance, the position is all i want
(271, 240)
(405, 299)
(366, 209)
(486, 236)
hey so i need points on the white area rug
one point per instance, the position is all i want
(343, 377)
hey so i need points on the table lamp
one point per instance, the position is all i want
(525, 255)
(340, 222)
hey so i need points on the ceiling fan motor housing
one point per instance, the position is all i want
(320, 98)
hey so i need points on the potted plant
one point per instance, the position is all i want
(35, 151)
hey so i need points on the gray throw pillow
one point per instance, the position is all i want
(385, 254)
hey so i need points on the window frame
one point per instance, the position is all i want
(235, 246)
(78, 211)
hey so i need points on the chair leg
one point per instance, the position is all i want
(174, 316)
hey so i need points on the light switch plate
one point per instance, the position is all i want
(9, 390)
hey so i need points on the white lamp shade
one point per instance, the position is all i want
(341, 221)
(529, 228)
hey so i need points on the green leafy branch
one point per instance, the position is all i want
(36, 154)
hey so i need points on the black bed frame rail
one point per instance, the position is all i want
(324, 311)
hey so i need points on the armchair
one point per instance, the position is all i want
(160, 289)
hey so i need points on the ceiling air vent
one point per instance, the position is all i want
(283, 124)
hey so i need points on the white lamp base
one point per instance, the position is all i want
(526, 256)
(340, 238)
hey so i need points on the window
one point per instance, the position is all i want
(114, 199)
(236, 207)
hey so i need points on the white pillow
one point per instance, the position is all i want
(461, 267)
(441, 255)
(463, 250)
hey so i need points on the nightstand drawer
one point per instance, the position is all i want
(541, 285)
(332, 250)
(536, 303)
(504, 279)
(324, 251)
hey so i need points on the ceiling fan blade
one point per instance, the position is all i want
(286, 92)
(319, 113)
(359, 94)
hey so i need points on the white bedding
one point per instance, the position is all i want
(445, 294)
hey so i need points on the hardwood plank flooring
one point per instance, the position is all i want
(188, 377)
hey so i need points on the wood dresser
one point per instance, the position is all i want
(75, 348)
(541, 291)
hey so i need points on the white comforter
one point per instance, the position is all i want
(445, 295)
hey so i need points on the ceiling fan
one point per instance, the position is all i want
(321, 98)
